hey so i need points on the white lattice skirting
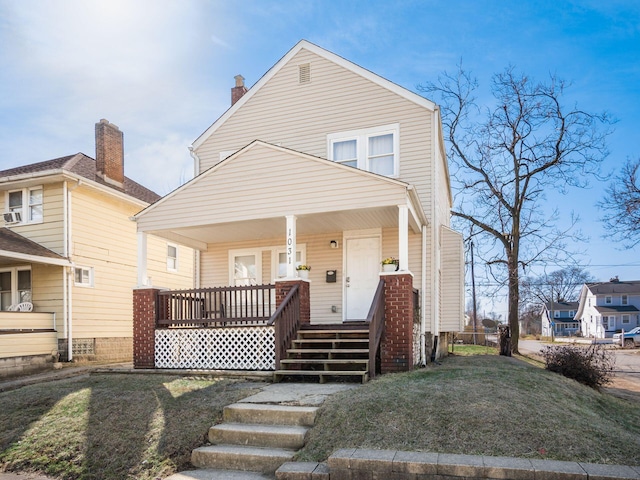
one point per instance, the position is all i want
(247, 348)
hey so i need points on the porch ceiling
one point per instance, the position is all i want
(327, 222)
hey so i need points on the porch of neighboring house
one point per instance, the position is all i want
(268, 328)
(28, 342)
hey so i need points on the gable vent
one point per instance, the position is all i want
(304, 73)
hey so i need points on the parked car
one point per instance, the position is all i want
(631, 338)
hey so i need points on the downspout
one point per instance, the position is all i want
(423, 299)
(196, 161)
(67, 272)
(196, 253)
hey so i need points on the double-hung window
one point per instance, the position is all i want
(373, 149)
(25, 204)
(172, 257)
(15, 286)
(83, 276)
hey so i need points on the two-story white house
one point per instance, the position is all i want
(608, 307)
(326, 164)
(557, 319)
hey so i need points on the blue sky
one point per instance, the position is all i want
(162, 70)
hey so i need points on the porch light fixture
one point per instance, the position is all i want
(334, 244)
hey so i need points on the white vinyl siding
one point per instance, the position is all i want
(452, 285)
(323, 106)
(278, 179)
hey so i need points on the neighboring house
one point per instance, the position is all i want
(68, 249)
(609, 307)
(558, 319)
(327, 164)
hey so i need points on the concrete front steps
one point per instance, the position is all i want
(252, 443)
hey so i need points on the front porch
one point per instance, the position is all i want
(268, 327)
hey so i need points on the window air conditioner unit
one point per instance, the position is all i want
(12, 217)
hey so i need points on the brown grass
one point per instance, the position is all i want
(482, 405)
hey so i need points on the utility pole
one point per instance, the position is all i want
(473, 294)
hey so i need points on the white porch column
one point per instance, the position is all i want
(143, 280)
(403, 238)
(291, 246)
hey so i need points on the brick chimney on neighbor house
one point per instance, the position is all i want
(239, 90)
(109, 153)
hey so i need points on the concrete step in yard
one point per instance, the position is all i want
(215, 474)
(278, 436)
(252, 443)
(240, 457)
(266, 414)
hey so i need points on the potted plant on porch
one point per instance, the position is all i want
(303, 271)
(389, 264)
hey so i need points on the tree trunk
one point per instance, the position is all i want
(514, 297)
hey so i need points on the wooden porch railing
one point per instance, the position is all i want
(219, 306)
(375, 319)
(287, 322)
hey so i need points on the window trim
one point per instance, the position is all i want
(82, 284)
(362, 137)
(15, 291)
(175, 267)
(25, 208)
(624, 299)
(275, 260)
(608, 300)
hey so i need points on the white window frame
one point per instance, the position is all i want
(15, 292)
(275, 258)
(626, 319)
(172, 262)
(257, 252)
(26, 208)
(362, 144)
(608, 300)
(624, 300)
(82, 283)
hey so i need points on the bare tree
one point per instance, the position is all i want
(621, 205)
(558, 286)
(505, 156)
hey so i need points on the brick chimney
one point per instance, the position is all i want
(239, 90)
(109, 153)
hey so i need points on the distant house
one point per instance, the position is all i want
(609, 307)
(557, 319)
(320, 163)
(68, 256)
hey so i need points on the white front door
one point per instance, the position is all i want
(362, 274)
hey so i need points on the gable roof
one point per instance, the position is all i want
(14, 245)
(561, 306)
(262, 182)
(618, 287)
(79, 165)
(304, 44)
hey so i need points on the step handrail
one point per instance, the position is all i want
(375, 319)
(286, 319)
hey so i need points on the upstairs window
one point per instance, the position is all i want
(608, 300)
(374, 149)
(625, 300)
(26, 205)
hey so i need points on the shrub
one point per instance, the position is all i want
(592, 366)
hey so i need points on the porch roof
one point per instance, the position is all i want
(14, 247)
(248, 195)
